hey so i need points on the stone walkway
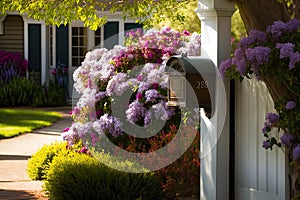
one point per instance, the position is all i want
(14, 154)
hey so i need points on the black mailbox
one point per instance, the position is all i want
(191, 81)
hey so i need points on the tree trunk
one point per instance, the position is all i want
(279, 89)
(258, 14)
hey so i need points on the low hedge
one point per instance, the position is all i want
(82, 177)
(39, 163)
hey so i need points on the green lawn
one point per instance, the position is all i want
(17, 121)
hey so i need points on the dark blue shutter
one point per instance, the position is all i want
(111, 34)
(34, 51)
(62, 45)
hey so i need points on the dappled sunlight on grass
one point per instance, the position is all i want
(16, 121)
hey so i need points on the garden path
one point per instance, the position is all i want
(14, 154)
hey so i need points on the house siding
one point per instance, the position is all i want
(13, 38)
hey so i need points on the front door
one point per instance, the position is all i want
(259, 173)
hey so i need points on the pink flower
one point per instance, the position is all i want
(139, 78)
(186, 33)
(66, 129)
(53, 72)
(139, 96)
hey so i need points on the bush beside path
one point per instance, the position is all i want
(14, 154)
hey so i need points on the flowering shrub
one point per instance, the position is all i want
(273, 57)
(12, 65)
(138, 68)
(129, 82)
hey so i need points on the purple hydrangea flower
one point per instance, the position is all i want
(276, 29)
(239, 61)
(151, 95)
(286, 139)
(296, 152)
(135, 112)
(258, 55)
(293, 25)
(265, 128)
(286, 49)
(272, 118)
(108, 124)
(294, 58)
(290, 105)
(266, 144)
(254, 37)
(257, 36)
(148, 118)
(224, 66)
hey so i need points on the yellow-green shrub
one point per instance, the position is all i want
(79, 176)
(39, 163)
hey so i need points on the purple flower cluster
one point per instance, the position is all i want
(12, 65)
(287, 51)
(272, 118)
(286, 120)
(255, 37)
(263, 52)
(257, 56)
(279, 28)
(152, 95)
(290, 105)
(135, 112)
(224, 66)
(296, 152)
(266, 144)
(286, 139)
(109, 125)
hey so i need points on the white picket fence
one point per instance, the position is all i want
(259, 174)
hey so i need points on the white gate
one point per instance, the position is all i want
(259, 174)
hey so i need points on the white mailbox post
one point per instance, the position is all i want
(215, 16)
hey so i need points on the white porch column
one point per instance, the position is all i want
(215, 16)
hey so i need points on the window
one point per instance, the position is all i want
(79, 45)
(130, 26)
